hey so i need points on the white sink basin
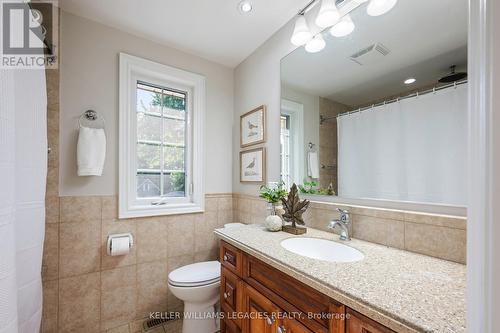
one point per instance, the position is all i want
(322, 249)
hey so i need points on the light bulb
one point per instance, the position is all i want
(245, 6)
(301, 32)
(328, 14)
(316, 44)
(343, 28)
(380, 7)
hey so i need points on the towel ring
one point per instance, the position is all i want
(91, 116)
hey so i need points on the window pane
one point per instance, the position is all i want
(147, 99)
(148, 156)
(161, 141)
(174, 184)
(173, 159)
(148, 185)
(174, 131)
(148, 127)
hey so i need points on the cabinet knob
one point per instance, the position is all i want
(281, 329)
(227, 295)
(225, 257)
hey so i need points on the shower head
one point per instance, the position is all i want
(453, 76)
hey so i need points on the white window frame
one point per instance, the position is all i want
(132, 70)
(297, 145)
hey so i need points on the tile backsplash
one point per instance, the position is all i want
(439, 236)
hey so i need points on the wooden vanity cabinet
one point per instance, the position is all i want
(258, 298)
(358, 323)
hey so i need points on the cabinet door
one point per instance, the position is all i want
(290, 325)
(357, 323)
(260, 312)
(228, 326)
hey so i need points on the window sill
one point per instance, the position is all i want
(147, 211)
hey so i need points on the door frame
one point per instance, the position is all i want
(483, 249)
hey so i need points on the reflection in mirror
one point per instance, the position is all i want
(380, 113)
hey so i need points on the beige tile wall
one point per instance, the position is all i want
(328, 142)
(85, 290)
(434, 235)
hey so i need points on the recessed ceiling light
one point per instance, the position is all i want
(410, 80)
(245, 6)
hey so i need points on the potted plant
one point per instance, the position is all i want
(273, 195)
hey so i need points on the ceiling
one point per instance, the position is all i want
(212, 29)
(424, 37)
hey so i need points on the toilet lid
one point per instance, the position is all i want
(198, 274)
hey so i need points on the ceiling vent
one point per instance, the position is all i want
(370, 55)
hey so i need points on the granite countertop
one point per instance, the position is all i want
(404, 291)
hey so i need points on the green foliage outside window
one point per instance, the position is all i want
(178, 180)
(169, 101)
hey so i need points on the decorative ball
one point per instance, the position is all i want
(273, 223)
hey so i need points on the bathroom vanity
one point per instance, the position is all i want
(265, 288)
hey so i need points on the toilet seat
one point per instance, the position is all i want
(195, 275)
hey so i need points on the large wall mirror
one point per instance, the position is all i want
(380, 113)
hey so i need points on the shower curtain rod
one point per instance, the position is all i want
(415, 94)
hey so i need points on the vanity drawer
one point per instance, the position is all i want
(289, 294)
(231, 258)
(357, 323)
(231, 293)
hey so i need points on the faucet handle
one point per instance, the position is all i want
(344, 215)
(342, 211)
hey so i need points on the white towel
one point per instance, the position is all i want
(313, 165)
(91, 151)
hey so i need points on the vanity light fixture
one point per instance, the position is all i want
(245, 6)
(380, 7)
(301, 33)
(410, 80)
(343, 28)
(328, 14)
(316, 44)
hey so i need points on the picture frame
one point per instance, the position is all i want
(253, 127)
(253, 166)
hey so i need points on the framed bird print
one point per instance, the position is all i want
(253, 127)
(253, 166)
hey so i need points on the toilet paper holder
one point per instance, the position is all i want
(111, 237)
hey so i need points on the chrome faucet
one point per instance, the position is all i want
(343, 223)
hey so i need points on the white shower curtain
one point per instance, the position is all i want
(23, 170)
(412, 150)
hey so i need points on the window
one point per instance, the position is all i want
(285, 149)
(292, 142)
(161, 139)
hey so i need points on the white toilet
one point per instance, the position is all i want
(198, 286)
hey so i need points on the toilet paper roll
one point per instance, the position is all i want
(119, 246)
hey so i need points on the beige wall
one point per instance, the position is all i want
(89, 80)
(257, 82)
(85, 290)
